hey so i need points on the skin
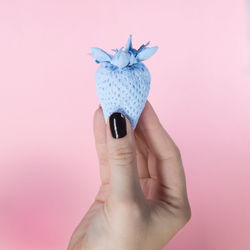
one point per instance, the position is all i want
(142, 201)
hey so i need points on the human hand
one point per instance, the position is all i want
(142, 202)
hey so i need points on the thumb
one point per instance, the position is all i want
(121, 146)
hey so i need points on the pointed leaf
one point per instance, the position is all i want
(121, 59)
(117, 55)
(129, 44)
(142, 47)
(132, 60)
(146, 53)
(100, 55)
(134, 51)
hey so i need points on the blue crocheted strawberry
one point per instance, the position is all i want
(122, 81)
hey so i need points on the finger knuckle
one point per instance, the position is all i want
(173, 153)
(122, 155)
(185, 214)
(103, 161)
(177, 151)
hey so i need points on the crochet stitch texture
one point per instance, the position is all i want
(122, 81)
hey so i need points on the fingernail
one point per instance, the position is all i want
(117, 124)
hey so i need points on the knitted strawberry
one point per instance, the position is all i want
(122, 81)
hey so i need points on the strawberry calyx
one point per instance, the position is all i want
(124, 58)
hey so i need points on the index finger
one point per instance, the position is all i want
(168, 169)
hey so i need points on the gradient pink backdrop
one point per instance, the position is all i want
(200, 91)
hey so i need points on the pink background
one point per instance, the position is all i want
(200, 91)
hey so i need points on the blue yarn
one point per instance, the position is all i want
(122, 81)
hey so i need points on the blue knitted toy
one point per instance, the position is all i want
(122, 81)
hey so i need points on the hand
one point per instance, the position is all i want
(142, 202)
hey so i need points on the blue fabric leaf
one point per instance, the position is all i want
(129, 44)
(132, 60)
(146, 53)
(121, 59)
(128, 57)
(134, 51)
(100, 55)
(142, 47)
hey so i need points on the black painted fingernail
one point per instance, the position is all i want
(117, 124)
